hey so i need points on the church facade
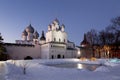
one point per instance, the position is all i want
(53, 44)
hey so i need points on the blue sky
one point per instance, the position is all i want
(79, 16)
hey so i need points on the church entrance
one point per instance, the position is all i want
(58, 56)
(63, 56)
(28, 58)
(52, 57)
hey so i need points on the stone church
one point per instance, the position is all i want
(53, 44)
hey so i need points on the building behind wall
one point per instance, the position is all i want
(21, 51)
(85, 50)
(52, 45)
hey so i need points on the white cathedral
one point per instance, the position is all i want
(53, 45)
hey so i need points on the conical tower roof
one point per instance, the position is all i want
(36, 35)
(85, 42)
(42, 36)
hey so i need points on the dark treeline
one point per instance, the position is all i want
(3, 56)
(106, 39)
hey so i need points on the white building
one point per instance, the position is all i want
(54, 45)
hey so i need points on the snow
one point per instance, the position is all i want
(103, 69)
(37, 70)
(2, 70)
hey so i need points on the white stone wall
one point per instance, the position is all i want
(71, 53)
(52, 49)
(57, 52)
(49, 36)
(24, 42)
(42, 41)
(56, 36)
(70, 45)
(57, 49)
(20, 52)
(24, 38)
(45, 51)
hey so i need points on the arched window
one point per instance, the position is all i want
(54, 39)
(59, 40)
(64, 40)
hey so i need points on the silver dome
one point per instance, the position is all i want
(63, 25)
(56, 21)
(30, 29)
(36, 35)
(24, 33)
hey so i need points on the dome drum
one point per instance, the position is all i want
(36, 35)
(24, 33)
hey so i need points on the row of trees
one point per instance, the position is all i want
(106, 38)
(3, 56)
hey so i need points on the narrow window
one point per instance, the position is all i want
(63, 56)
(59, 40)
(64, 40)
(54, 39)
(48, 40)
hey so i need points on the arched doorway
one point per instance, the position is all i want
(28, 58)
(58, 56)
(52, 57)
(63, 56)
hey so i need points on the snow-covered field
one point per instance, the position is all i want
(37, 70)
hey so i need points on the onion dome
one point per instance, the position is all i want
(63, 25)
(30, 29)
(36, 35)
(56, 21)
(24, 33)
(42, 36)
(49, 27)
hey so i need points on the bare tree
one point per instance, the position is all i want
(116, 27)
(92, 38)
(102, 37)
(1, 39)
(3, 55)
(24, 66)
(109, 37)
